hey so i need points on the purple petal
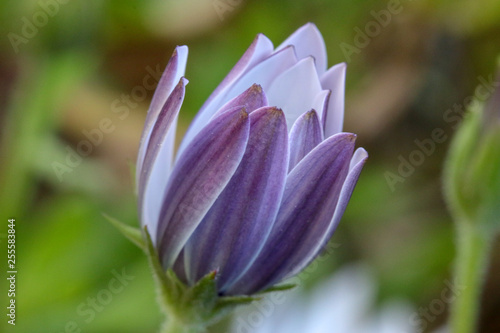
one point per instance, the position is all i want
(260, 49)
(305, 135)
(355, 167)
(295, 90)
(312, 191)
(334, 80)
(157, 160)
(179, 268)
(237, 225)
(308, 42)
(251, 99)
(173, 72)
(199, 176)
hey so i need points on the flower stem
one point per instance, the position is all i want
(473, 245)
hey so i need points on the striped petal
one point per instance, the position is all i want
(355, 166)
(334, 80)
(158, 156)
(305, 135)
(308, 42)
(198, 178)
(251, 99)
(260, 49)
(311, 195)
(236, 227)
(173, 72)
(179, 268)
(295, 90)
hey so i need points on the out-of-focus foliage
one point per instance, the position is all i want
(67, 65)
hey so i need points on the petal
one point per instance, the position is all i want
(173, 72)
(157, 160)
(265, 72)
(334, 80)
(321, 104)
(305, 134)
(355, 166)
(308, 42)
(260, 49)
(311, 194)
(237, 225)
(198, 178)
(295, 90)
(179, 268)
(251, 99)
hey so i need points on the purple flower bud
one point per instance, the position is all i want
(263, 174)
(492, 109)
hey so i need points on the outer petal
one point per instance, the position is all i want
(355, 167)
(308, 42)
(334, 80)
(173, 72)
(237, 225)
(311, 193)
(251, 99)
(179, 268)
(198, 178)
(260, 49)
(305, 135)
(158, 155)
(295, 90)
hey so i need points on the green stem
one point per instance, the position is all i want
(473, 245)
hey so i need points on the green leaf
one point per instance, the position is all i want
(131, 233)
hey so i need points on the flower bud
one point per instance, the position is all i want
(472, 172)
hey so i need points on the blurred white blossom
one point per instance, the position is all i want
(345, 303)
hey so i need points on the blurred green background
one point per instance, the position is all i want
(64, 64)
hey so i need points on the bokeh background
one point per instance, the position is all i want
(65, 64)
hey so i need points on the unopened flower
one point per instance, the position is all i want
(263, 174)
(472, 190)
(472, 173)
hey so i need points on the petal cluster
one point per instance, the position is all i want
(263, 174)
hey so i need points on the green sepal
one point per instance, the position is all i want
(131, 233)
(192, 308)
(227, 304)
(169, 288)
(280, 287)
